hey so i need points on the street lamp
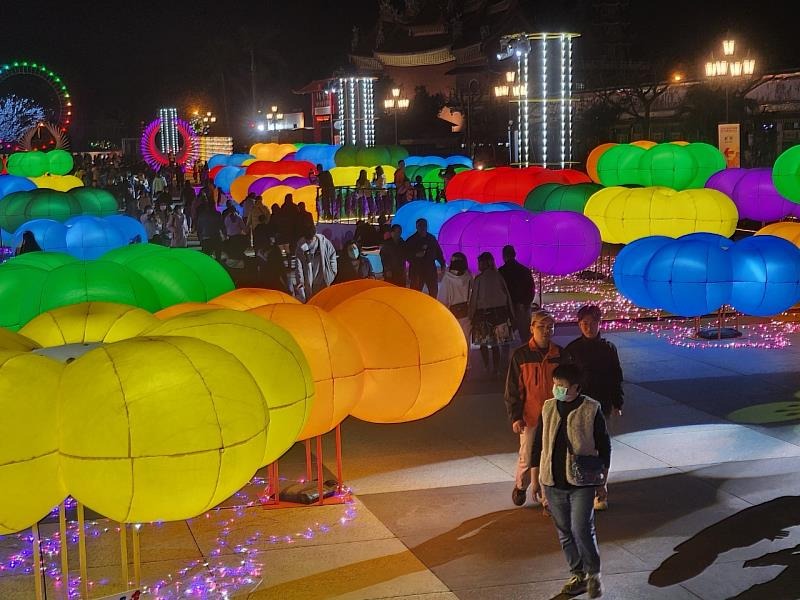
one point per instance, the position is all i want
(730, 69)
(394, 105)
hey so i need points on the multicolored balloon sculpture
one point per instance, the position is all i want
(506, 184)
(754, 194)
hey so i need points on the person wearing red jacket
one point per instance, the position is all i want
(528, 384)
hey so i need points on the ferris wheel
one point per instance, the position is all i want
(38, 92)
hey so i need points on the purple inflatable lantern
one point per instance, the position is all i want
(296, 181)
(754, 194)
(451, 230)
(564, 242)
(492, 231)
(262, 184)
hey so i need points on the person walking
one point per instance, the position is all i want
(455, 290)
(423, 252)
(528, 384)
(490, 314)
(602, 372)
(571, 455)
(178, 228)
(519, 281)
(393, 257)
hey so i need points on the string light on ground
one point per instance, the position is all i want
(229, 568)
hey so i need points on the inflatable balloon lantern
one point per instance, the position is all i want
(247, 298)
(556, 196)
(754, 194)
(564, 242)
(336, 367)
(196, 426)
(29, 461)
(786, 174)
(788, 230)
(271, 151)
(144, 275)
(272, 356)
(697, 274)
(626, 214)
(12, 183)
(410, 344)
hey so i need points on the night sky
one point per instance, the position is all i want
(124, 60)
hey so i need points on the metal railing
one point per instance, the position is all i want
(351, 204)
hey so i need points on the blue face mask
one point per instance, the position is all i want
(560, 392)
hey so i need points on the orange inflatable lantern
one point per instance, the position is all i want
(646, 144)
(331, 297)
(594, 156)
(271, 151)
(337, 368)
(241, 185)
(414, 352)
(183, 308)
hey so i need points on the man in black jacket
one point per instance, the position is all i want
(519, 282)
(599, 361)
(393, 257)
(423, 252)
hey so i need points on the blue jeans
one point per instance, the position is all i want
(573, 514)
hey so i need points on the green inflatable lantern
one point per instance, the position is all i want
(786, 174)
(60, 162)
(555, 196)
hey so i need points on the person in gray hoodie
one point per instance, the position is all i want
(491, 314)
(318, 264)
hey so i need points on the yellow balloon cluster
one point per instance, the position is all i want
(61, 183)
(271, 151)
(347, 176)
(143, 419)
(626, 214)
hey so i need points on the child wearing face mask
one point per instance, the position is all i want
(571, 458)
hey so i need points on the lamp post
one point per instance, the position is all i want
(395, 104)
(729, 69)
(202, 124)
(504, 91)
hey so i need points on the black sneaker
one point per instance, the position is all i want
(518, 496)
(575, 586)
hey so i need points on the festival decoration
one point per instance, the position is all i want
(225, 177)
(754, 194)
(427, 356)
(441, 162)
(669, 165)
(272, 151)
(624, 214)
(61, 183)
(336, 368)
(318, 154)
(19, 207)
(84, 237)
(786, 174)
(355, 155)
(698, 273)
(788, 230)
(564, 242)
(247, 298)
(347, 176)
(13, 183)
(29, 465)
(593, 158)
(144, 275)
(556, 196)
(506, 183)
(153, 155)
(284, 167)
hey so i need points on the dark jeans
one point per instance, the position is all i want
(573, 515)
(522, 321)
(425, 278)
(212, 246)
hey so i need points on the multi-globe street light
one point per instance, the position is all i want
(394, 105)
(729, 69)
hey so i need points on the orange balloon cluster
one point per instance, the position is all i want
(381, 353)
(507, 184)
(272, 151)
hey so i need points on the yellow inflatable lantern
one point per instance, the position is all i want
(183, 308)
(336, 364)
(159, 428)
(413, 349)
(88, 322)
(270, 354)
(247, 298)
(61, 183)
(29, 460)
(626, 214)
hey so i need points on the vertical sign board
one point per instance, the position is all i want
(729, 143)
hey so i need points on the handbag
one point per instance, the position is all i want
(460, 310)
(585, 470)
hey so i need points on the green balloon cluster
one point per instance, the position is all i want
(36, 164)
(666, 165)
(145, 275)
(557, 196)
(43, 203)
(786, 174)
(363, 156)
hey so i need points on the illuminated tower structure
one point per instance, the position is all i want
(542, 95)
(170, 141)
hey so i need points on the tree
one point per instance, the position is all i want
(18, 115)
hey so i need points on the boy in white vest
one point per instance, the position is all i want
(572, 449)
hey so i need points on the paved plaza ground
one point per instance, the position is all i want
(705, 500)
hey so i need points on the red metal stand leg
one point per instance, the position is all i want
(339, 478)
(308, 460)
(320, 486)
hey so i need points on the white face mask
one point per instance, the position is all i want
(304, 247)
(353, 252)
